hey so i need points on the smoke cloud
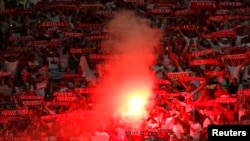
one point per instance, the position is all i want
(129, 75)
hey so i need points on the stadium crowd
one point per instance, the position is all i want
(50, 51)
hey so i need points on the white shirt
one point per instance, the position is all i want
(246, 76)
(53, 63)
(234, 71)
(33, 64)
(206, 122)
(100, 136)
(178, 130)
(11, 66)
(195, 129)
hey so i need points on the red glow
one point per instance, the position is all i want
(135, 106)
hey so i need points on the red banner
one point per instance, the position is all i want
(216, 73)
(30, 97)
(14, 139)
(164, 82)
(81, 50)
(84, 6)
(103, 57)
(32, 102)
(236, 56)
(245, 92)
(101, 12)
(21, 38)
(198, 5)
(66, 98)
(98, 37)
(242, 11)
(205, 103)
(192, 79)
(233, 4)
(177, 75)
(135, 1)
(84, 90)
(20, 49)
(63, 94)
(223, 12)
(160, 11)
(84, 25)
(224, 33)
(184, 12)
(204, 62)
(226, 100)
(14, 112)
(51, 24)
(44, 43)
(3, 74)
(73, 34)
(203, 52)
(60, 103)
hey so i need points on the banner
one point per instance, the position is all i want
(198, 5)
(236, 56)
(166, 94)
(84, 6)
(73, 34)
(3, 74)
(242, 11)
(163, 82)
(102, 12)
(63, 94)
(160, 11)
(203, 52)
(224, 33)
(205, 103)
(135, 1)
(84, 25)
(223, 12)
(190, 27)
(177, 75)
(81, 50)
(244, 92)
(244, 122)
(66, 6)
(215, 73)
(84, 90)
(192, 79)
(66, 98)
(71, 76)
(231, 4)
(227, 17)
(14, 139)
(20, 49)
(32, 102)
(4, 119)
(44, 43)
(14, 112)
(103, 57)
(60, 103)
(204, 62)
(185, 12)
(51, 24)
(8, 11)
(98, 37)
(206, 36)
(20, 38)
(30, 97)
(226, 100)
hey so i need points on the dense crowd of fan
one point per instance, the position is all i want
(45, 56)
